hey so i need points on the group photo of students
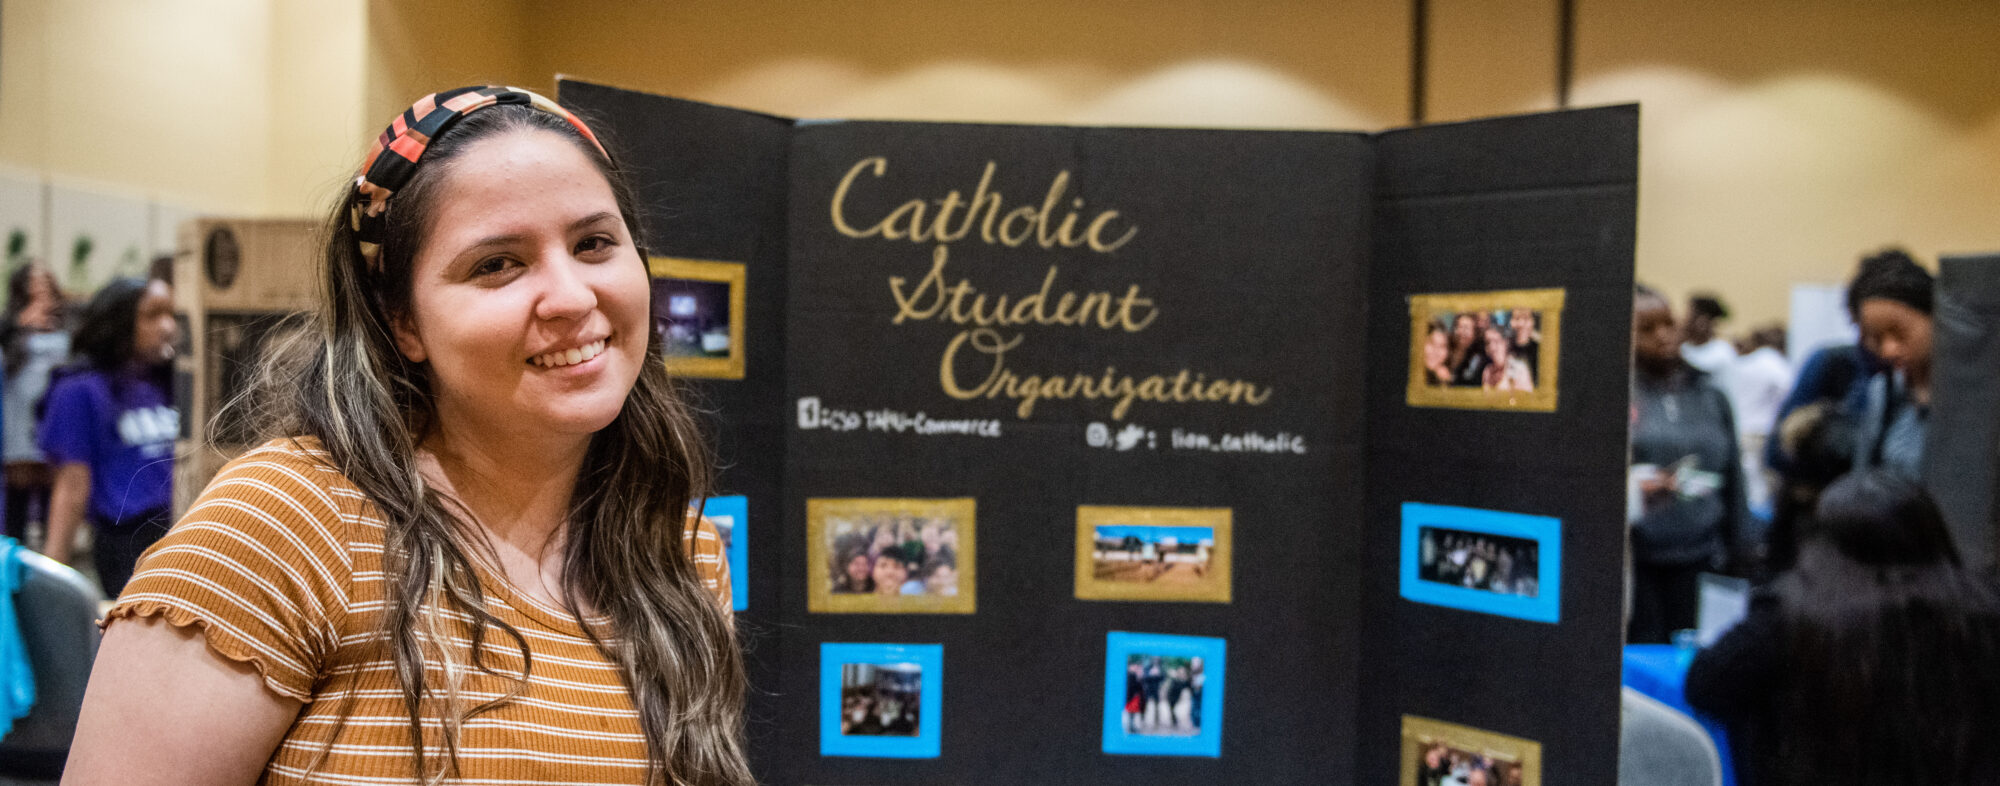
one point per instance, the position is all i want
(1497, 350)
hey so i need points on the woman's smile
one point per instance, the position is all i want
(571, 357)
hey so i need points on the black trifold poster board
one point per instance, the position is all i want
(1054, 332)
(1962, 440)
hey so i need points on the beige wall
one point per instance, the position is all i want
(223, 105)
(1285, 63)
(418, 48)
(1780, 138)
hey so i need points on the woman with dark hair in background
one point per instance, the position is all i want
(1688, 514)
(1875, 661)
(108, 427)
(466, 555)
(34, 335)
(1890, 299)
(1817, 442)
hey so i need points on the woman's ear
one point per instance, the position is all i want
(407, 340)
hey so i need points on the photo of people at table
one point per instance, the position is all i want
(892, 553)
(881, 699)
(1163, 694)
(1496, 349)
(1479, 560)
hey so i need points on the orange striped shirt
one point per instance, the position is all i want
(280, 563)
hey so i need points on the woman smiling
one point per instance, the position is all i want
(466, 555)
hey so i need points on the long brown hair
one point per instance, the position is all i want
(344, 382)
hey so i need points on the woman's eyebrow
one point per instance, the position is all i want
(593, 218)
(516, 237)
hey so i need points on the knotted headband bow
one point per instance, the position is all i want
(392, 160)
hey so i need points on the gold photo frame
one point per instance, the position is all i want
(1153, 554)
(1452, 336)
(684, 306)
(1431, 746)
(851, 541)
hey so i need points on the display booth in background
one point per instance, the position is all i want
(1158, 456)
(238, 282)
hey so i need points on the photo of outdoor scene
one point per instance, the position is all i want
(1153, 554)
(1142, 554)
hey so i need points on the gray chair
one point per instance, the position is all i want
(1661, 746)
(57, 609)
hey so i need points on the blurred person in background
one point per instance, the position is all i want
(1687, 511)
(1817, 442)
(1812, 439)
(1891, 300)
(34, 338)
(1871, 661)
(1758, 380)
(108, 427)
(1700, 344)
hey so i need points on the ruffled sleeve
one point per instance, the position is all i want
(261, 564)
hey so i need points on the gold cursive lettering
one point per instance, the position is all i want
(840, 224)
(1000, 381)
(964, 304)
(914, 221)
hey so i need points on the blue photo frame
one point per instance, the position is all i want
(1540, 601)
(1201, 710)
(733, 513)
(924, 661)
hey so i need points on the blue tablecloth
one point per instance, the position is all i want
(1660, 671)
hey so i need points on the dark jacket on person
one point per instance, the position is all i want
(1684, 417)
(1890, 432)
(1836, 373)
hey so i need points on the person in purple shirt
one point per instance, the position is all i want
(108, 426)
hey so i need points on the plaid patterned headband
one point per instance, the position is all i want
(404, 143)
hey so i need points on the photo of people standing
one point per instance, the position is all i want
(1163, 695)
(1479, 560)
